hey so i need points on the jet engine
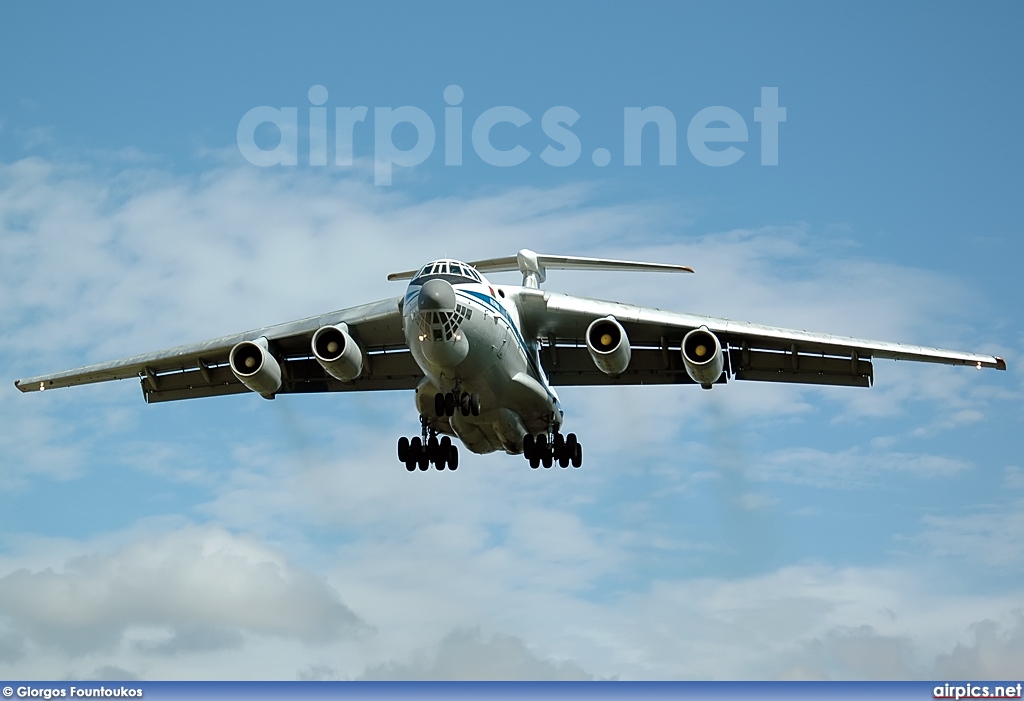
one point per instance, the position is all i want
(608, 345)
(255, 367)
(702, 356)
(337, 352)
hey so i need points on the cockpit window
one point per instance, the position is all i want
(450, 268)
(442, 326)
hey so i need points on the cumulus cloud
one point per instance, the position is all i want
(465, 654)
(106, 673)
(858, 653)
(995, 651)
(12, 646)
(202, 587)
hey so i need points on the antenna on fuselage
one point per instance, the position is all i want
(534, 266)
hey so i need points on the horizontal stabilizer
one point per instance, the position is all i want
(534, 266)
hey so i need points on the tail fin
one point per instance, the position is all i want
(534, 266)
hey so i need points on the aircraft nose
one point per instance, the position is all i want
(437, 296)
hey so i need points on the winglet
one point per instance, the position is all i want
(1000, 363)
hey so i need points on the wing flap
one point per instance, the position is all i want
(383, 371)
(773, 366)
(573, 366)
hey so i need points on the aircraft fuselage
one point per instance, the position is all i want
(465, 335)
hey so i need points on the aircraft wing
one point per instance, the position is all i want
(752, 351)
(201, 369)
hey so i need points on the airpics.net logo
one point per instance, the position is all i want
(714, 135)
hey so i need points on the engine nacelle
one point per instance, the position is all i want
(702, 356)
(255, 367)
(608, 345)
(338, 353)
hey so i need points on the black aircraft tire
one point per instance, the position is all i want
(449, 404)
(403, 449)
(444, 453)
(577, 456)
(528, 446)
(439, 404)
(453, 458)
(543, 450)
(464, 404)
(417, 453)
(474, 404)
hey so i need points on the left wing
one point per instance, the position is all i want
(752, 351)
(201, 369)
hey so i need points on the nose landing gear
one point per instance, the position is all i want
(423, 451)
(446, 403)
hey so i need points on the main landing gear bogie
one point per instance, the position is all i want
(564, 450)
(422, 452)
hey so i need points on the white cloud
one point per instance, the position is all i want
(991, 537)
(805, 621)
(852, 467)
(201, 603)
(994, 652)
(465, 654)
(855, 653)
(202, 586)
(1014, 477)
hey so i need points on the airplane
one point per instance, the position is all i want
(484, 359)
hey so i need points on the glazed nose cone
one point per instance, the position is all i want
(437, 296)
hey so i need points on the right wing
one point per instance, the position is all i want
(752, 351)
(201, 369)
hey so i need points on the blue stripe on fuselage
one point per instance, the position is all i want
(495, 306)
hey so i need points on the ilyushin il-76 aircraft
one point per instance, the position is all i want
(484, 359)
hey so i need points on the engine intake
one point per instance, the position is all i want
(255, 367)
(608, 345)
(702, 356)
(338, 353)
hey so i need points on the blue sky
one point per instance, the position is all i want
(754, 531)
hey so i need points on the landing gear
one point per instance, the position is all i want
(422, 452)
(446, 403)
(565, 450)
(470, 404)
